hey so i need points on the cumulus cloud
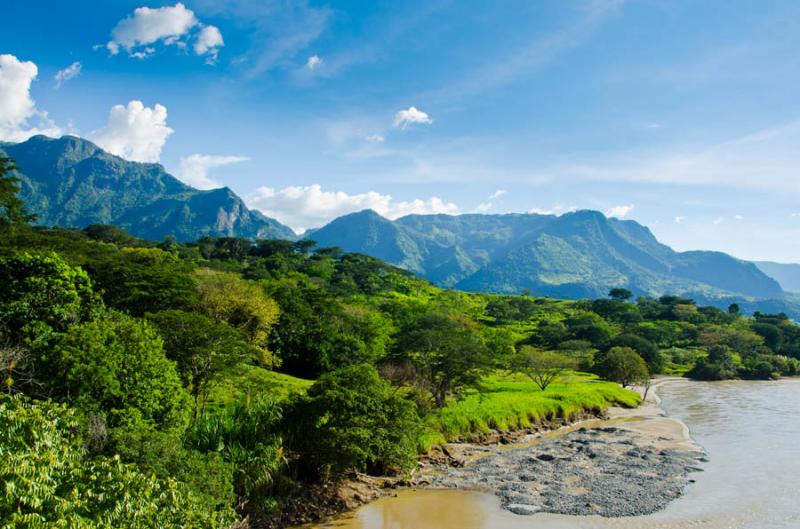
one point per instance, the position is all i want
(134, 132)
(208, 42)
(304, 207)
(70, 72)
(17, 107)
(679, 219)
(195, 168)
(376, 138)
(490, 203)
(314, 62)
(170, 25)
(619, 211)
(411, 116)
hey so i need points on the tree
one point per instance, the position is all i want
(543, 367)
(115, 366)
(42, 294)
(48, 480)
(351, 419)
(226, 297)
(624, 366)
(140, 280)
(645, 348)
(447, 351)
(203, 349)
(12, 208)
(734, 309)
(620, 294)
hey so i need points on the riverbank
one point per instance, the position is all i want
(633, 463)
(616, 461)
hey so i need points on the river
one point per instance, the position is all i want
(750, 431)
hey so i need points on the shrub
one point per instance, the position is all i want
(624, 366)
(49, 481)
(353, 420)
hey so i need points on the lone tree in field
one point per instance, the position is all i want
(624, 366)
(543, 367)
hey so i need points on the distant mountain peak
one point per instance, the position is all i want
(70, 181)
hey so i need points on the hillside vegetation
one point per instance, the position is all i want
(191, 384)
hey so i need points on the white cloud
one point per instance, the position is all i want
(194, 169)
(17, 107)
(411, 116)
(314, 62)
(70, 72)
(489, 204)
(619, 211)
(376, 138)
(134, 132)
(679, 219)
(738, 217)
(558, 209)
(304, 207)
(170, 25)
(208, 42)
(718, 221)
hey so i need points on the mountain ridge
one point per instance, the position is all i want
(70, 181)
(578, 254)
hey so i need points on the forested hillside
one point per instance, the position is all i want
(193, 384)
(70, 181)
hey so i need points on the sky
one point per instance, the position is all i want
(681, 115)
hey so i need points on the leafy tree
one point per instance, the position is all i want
(620, 294)
(624, 366)
(351, 419)
(316, 333)
(734, 309)
(203, 349)
(12, 208)
(109, 233)
(42, 294)
(115, 366)
(718, 365)
(140, 280)
(646, 349)
(543, 367)
(447, 351)
(226, 297)
(50, 482)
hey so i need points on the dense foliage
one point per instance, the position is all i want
(176, 384)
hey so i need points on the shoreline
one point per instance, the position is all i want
(633, 463)
(640, 453)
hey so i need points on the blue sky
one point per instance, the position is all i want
(682, 115)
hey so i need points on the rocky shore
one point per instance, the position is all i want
(633, 464)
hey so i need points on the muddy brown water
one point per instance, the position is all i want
(750, 430)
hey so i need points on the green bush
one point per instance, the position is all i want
(115, 367)
(49, 482)
(353, 420)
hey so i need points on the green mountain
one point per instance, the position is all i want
(72, 182)
(576, 255)
(787, 274)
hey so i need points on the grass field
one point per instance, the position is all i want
(510, 401)
(247, 379)
(505, 402)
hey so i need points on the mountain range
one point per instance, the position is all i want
(72, 182)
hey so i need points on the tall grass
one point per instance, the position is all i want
(511, 402)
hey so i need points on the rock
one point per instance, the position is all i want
(522, 508)
(545, 457)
